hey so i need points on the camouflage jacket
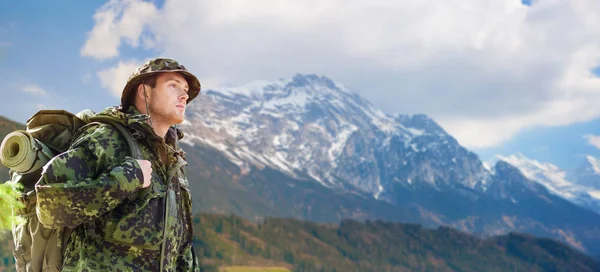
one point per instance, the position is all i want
(95, 189)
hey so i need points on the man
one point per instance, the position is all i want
(125, 213)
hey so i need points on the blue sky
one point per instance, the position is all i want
(42, 44)
(501, 76)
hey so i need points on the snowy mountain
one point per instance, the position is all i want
(308, 147)
(296, 126)
(580, 186)
(311, 125)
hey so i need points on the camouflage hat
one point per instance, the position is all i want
(160, 65)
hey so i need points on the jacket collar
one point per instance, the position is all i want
(139, 125)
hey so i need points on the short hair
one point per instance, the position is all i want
(149, 80)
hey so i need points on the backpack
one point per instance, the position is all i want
(48, 133)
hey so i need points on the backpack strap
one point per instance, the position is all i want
(134, 147)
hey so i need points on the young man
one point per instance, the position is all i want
(125, 213)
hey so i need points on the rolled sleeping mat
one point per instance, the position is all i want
(22, 153)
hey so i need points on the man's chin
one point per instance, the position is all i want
(178, 121)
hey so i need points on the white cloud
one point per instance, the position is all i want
(116, 21)
(115, 78)
(34, 89)
(40, 106)
(593, 140)
(484, 69)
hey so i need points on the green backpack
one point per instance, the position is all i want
(48, 133)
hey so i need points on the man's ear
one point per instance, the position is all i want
(140, 91)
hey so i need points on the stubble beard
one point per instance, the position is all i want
(164, 116)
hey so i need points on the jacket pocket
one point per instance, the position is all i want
(185, 188)
(186, 205)
(140, 223)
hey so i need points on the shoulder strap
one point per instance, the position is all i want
(133, 145)
(134, 148)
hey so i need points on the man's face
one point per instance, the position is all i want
(168, 98)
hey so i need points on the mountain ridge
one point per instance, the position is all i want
(580, 185)
(350, 245)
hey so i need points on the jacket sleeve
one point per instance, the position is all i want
(88, 180)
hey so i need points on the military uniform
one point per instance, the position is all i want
(95, 189)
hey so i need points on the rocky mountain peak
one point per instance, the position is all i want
(302, 81)
(311, 124)
(420, 122)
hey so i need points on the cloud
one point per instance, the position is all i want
(34, 89)
(117, 21)
(593, 140)
(484, 70)
(115, 78)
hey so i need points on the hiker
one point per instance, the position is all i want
(123, 213)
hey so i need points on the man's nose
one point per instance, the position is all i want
(184, 95)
